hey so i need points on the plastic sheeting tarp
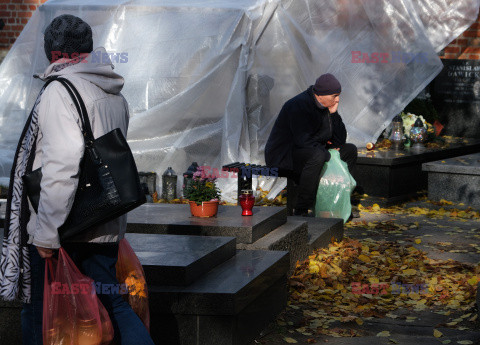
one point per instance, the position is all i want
(205, 80)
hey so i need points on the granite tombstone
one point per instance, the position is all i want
(456, 96)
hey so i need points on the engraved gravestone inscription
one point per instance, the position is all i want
(456, 96)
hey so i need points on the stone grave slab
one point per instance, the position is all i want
(176, 219)
(321, 231)
(229, 305)
(455, 179)
(240, 329)
(291, 236)
(179, 260)
(393, 177)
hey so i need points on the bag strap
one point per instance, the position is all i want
(80, 105)
(82, 111)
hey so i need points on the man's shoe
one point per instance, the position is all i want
(299, 211)
(303, 213)
(355, 212)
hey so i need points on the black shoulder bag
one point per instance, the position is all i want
(108, 185)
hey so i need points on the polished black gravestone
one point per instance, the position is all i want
(176, 219)
(228, 306)
(229, 303)
(395, 176)
(455, 179)
(456, 97)
(179, 260)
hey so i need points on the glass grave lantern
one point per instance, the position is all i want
(188, 178)
(169, 184)
(418, 135)
(396, 136)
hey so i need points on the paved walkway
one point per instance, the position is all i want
(443, 232)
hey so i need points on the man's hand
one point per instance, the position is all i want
(45, 252)
(333, 108)
(335, 148)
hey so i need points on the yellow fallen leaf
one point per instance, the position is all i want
(290, 340)
(359, 321)
(337, 269)
(409, 272)
(375, 207)
(364, 258)
(418, 241)
(383, 334)
(314, 269)
(448, 341)
(437, 333)
(473, 281)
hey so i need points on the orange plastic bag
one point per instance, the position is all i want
(72, 312)
(130, 273)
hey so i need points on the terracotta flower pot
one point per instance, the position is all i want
(206, 209)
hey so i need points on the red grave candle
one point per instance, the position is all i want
(247, 200)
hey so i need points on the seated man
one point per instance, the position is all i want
(307, 126)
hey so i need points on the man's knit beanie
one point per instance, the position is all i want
(327, 84)
(67, 34)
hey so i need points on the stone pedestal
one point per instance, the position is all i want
(455, 179)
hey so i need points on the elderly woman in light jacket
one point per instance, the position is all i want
(58, 150)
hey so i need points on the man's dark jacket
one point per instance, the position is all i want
(303, 123)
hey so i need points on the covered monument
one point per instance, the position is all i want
(205, 79)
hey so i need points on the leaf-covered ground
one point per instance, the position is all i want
(401, 274)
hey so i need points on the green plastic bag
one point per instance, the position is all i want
(334, 189)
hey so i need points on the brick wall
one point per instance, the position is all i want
(465, 46)
(15, 14)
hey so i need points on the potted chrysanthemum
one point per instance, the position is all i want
(203, 195)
